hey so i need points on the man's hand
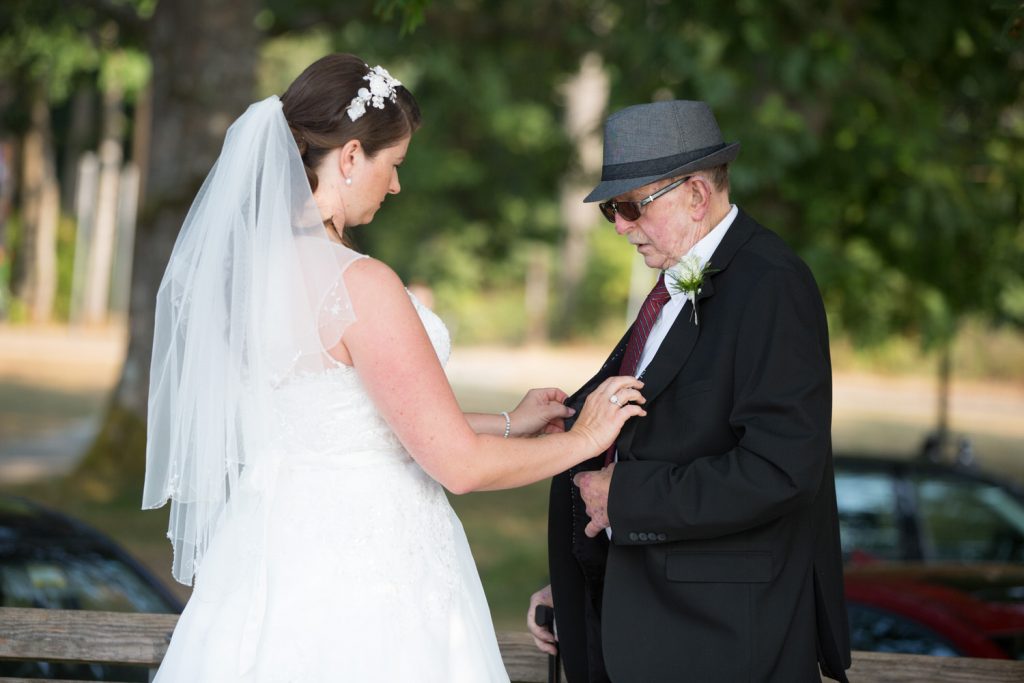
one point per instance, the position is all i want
(544, 639)
(594, 487)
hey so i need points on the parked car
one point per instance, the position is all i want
(916, 509)
(970, 610)
(50, 560)
(930, 549)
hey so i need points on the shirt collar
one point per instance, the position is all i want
(705, 248)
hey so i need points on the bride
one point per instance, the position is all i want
(301, 424)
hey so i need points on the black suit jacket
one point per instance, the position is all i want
(725, 560)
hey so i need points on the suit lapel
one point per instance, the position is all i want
(608, 369)
(682, 336)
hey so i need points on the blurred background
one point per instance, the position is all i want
(885, 142)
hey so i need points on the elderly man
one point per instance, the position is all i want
(705, 545)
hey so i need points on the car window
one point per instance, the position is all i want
(867, 515)
(879, 630)
(966, 520)
(92, 581)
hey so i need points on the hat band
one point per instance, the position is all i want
(653, 167)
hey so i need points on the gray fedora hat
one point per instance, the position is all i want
(649, 142)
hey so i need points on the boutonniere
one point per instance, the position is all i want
(687, 276)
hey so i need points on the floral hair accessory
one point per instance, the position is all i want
(687, 277)
(382, 86)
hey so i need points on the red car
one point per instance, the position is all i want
(970, 610)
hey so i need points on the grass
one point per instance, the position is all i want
(30, 410)
(507, 529)
(978, 353)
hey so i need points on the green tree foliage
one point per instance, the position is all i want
(481, 182)
(48, 51)
(55, 45)
(885, 142)
(883, 139)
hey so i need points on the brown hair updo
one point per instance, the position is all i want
(316, 103)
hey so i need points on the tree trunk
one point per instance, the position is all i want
(204, 59)
(86, 183)
(40, 213)
(641, 280)
(586, 99)
(141, 142)
(945, 375)
(80, 138)
(7, 182)
(124, 242)
(101, 250)
(538, 282)
(44, 268)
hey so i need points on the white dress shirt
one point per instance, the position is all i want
(704, 249)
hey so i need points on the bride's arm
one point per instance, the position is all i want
(541, 411)
(486, 423)
(399, 368)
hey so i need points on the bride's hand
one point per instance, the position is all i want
(540, 411)
(607, 408)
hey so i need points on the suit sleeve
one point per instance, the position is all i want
(781, 412)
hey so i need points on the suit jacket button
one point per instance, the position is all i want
(662, 537)
(632, 536)
(642, 535)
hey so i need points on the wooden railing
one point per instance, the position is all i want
(141, 640)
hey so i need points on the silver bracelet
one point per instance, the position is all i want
(508, 424)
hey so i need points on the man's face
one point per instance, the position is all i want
(664, 231)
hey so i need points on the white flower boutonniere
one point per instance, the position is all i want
(687, 276)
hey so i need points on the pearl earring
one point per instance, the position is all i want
(348, 181)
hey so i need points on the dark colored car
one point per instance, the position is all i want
(50, 560)
(969, 610)
(919, 510)
(930, 551)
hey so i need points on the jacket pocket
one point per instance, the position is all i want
(719, 567)
(692, 388)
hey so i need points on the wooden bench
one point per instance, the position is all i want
(141, 640)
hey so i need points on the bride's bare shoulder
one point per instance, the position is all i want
(373, 285)
(369, 273)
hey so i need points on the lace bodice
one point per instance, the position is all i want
(331, 413)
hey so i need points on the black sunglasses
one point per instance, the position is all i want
(632, 210)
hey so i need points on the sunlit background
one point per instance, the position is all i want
(883, 140)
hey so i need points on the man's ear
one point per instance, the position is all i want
(699, 199)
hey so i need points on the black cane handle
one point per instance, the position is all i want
(545, 618)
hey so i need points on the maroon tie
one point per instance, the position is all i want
(653, 304)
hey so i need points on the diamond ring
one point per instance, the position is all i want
(614, 399)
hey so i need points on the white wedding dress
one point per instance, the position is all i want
(340, 559)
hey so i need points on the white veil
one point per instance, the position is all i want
(253, 293)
